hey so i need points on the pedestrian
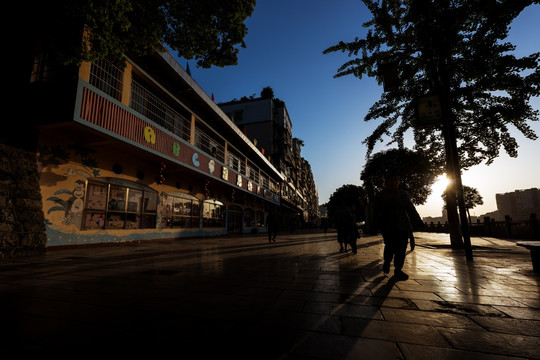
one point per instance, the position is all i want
(324, 224)
(346, 228)
(272, 225)
(396, 218)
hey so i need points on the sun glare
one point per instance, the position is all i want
(440, 185)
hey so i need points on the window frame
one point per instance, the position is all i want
(213, 214)
(181, 217)
(109, 206)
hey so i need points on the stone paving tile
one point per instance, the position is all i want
(414, 295)
(457, 308)
(321, 346)
(509, 326)
(394, 331)
(303, 321)
(422, 352)
(494, 343)
(534, 303)
(357, 311)
(297, 299)
(483, 300)
(429, 318)
(519, 312)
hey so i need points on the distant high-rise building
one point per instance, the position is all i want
(519, 204)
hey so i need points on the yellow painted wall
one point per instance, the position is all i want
(63, 189)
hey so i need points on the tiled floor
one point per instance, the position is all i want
(299, 298)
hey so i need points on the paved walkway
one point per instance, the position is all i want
(299, 298)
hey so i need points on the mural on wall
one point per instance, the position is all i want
(74, 205)
(69, 201)
(57, 155)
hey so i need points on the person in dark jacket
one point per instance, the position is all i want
(396, 218)
(272, 224)
(346, 228)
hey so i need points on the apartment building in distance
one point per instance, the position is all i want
(519, 204)
(266, 122)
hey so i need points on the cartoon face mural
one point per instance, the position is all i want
(75, 205)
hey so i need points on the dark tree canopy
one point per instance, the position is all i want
(472, 198)
(456, 49)
(206, 30)
(267, 93)
(353, 196)
(415, 169)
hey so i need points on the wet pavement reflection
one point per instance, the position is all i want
(298, 298)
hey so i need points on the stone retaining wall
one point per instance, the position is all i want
(22, 223)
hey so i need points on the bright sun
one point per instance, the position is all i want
(439, 185)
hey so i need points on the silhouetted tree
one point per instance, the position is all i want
(206, 30)
(267, 93)
(417, 172)
(472, 199)
(457, 50)
(353, 196)
(489, 88)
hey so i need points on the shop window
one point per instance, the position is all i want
(213, 214)
(121, 205)
(180, 211)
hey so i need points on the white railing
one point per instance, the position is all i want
(108, 78)
(208, 144)
(157, 110)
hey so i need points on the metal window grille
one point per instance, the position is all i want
(253, 172)
(274, 186)
(107, 78)
(265, 180)
(236, 161)
(41, 70)
(158, 111)
(209, 145)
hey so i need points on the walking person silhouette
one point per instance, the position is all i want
(346, 228)
(396, 217)
(272, 224)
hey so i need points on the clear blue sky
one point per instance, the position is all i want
(284, 43)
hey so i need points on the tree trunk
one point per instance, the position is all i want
(456, 241)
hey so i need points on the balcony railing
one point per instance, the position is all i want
(157, 110)
(236, 161)
(208, 144)
(108, 78)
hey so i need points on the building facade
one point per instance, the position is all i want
(266, 122)
(139, 152)
(519, 204)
